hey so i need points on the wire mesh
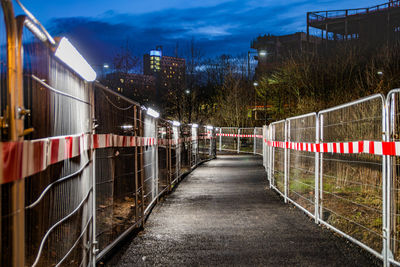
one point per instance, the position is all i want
(301, 164)
(195, 146)
(278, 157)
(186, 148)
(118, 184)
(228, 139)
(175, 154)
(150, 162)
(246, 140)
(163, 129)
(58, 214)
(258, 131)
(351, 184)
(394, 174)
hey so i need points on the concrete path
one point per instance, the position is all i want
(223, 214)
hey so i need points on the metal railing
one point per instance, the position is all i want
(240, 140)
(340, 166)
(318, 16)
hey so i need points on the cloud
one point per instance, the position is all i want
(225, 28)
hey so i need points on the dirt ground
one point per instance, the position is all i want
(223, 214)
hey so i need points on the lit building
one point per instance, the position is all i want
(139, 87)
(172, 73)
(152, 62)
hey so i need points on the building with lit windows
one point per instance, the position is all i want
(152, 62)
(172, 74)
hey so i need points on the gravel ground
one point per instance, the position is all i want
(223, 214)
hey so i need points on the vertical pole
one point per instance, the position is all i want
(285, 170)
(238, 140)
(320, 166)
(255, 142)
(220, 139)
(135, 115)
(316, 183)
(94, 249)
(156, 157)
(15, 129)
(141, 165)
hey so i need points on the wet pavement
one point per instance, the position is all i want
(223, 214)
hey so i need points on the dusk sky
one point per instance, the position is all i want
(99, 28)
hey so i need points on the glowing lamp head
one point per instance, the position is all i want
(67, 53)
(194, 125)
(153, 113)
(209, 127)
(176, 123)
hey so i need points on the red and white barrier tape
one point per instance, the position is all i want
(367, 147)
(23, 159)
(240, 135)
(26, 158)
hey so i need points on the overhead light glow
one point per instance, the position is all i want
(194, 125)
(153, 113)
(262, 53)
(176, 123)
(209, 127)
(255, 83)
(67, 53)
(127, 127)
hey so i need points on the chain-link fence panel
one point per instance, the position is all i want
(351, 198)
(259, 143)
(278, 134)
(227, 138)
(302, 172)
(246, 140)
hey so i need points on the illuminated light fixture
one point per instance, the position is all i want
(127, 127)
(263, 53)
(195, 125)
(67, 53)
(106, 66)
(209, 127)
(153, 113)
(35, 30)
(176, 123)
(255, 83)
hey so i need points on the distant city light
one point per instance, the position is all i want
(194, 125)
(67, 53)
(187, 91)
(153, 113)
(255, 83)
(106, 66)
(176, 123)
(380, 73)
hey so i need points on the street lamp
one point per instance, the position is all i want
(260, 53)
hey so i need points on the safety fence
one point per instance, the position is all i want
(340, 166)
(240, 140)
(80, 165)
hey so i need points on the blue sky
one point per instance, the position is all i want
(217, 26)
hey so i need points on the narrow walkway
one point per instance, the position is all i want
(222, 214)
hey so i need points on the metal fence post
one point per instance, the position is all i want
(316, 187)
(255, 143)
(220, 139)
(238, 140)
(285, 159)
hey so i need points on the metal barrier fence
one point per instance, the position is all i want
(240, 140)
(340, 166)
(81, 166)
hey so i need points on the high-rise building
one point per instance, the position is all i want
(172, 74)
(152, 62)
